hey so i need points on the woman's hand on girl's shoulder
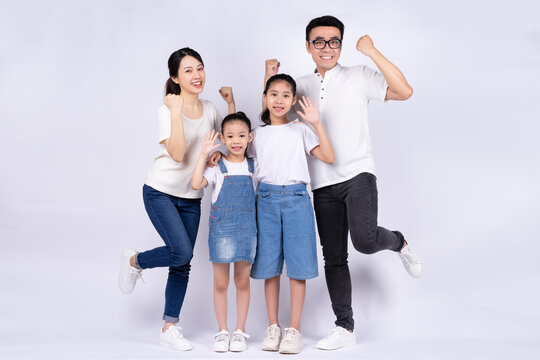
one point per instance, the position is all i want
(214, 158)
(174, 102)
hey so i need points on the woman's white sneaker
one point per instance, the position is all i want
(410, 261)
(128, 275)
(238, 342)
(173, 338)
(292, 342)
(337, 338)
(272, 338)
(221, 341)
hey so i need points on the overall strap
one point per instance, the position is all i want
(251, 167)
(222, 166)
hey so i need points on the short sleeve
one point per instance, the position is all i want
(210, 174)
(310, 139)
(164, 123)
(217, 120)
(374, 84)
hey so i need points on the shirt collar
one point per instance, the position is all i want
(333, 70)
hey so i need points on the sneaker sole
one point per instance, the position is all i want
(167, 345)
(352, 343)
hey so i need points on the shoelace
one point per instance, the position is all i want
(290, 335)
(240, 336)
(222, 337)
(273, 332)
(137, 275)
(176, 331)
(409, 256)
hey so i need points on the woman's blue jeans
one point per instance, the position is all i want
(177, 222)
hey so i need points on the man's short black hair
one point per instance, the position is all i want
(326, 20)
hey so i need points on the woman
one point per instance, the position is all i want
(171, 204)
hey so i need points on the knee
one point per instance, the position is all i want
(241, 283)
(365, 243)
(221, 284)
(180, 258)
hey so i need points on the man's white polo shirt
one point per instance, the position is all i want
(342, 98)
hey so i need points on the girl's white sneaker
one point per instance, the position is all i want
(221, 341)
(238, 342)
(292, 342)
(173, 338)
(272, 338)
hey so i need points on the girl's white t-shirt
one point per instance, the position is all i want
(215, 177)
(281, 152)
(172, 177)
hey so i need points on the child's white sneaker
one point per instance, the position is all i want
(292, 342)
(173, 338)
(221, 341)
(128, 275)
(272, 338)
(337, 338)
(238, 342)
(410, 261)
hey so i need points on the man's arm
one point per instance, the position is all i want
(398, 87)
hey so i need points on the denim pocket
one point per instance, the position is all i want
(299, 199)
(263, 200)
(217, 216)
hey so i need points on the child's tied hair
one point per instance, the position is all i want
(237, 116)
(265, 116)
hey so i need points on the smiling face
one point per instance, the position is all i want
(191, 75)
(279, 99)
(326, 58)
(236, 136)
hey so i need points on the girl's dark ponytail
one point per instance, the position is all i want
(265, 117)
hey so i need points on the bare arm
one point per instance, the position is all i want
(398, 87)
(272, 68)
(176, 143)
(227, 95)
(197, 179)
(324, 151)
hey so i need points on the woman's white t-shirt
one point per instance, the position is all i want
(172, 177)
(214, 176)
(281, 152)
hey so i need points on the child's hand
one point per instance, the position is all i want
(174, 102)
(272, 68)
(227, 94)
(310, 114)
(208, 143)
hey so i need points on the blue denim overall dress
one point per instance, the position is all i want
(233, 226)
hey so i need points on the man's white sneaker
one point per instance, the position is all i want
(292, 342)
(238, 342)
(174, 339)
(272, 338)
(410, 261)
(128, 275)
(221, 341)
(337, 338)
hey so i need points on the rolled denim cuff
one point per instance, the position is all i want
(137, 262)
(170, 319)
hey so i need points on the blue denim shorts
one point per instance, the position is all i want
(286, 232)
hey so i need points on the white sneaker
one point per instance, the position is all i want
(337, 338)
(221, 341)
(292, 342)
(272, 338)
(174, 339)
(128, 275)
(238, 342)
(410, 261)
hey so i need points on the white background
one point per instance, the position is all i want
(457, 165)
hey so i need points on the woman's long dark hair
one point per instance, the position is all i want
(265, 116)
(174, 64)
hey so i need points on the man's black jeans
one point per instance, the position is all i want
(340, 208)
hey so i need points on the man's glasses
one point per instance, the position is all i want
(321, 44)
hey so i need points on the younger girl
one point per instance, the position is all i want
(285, 221)
(233, 229)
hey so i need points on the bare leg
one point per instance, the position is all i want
(241, 280)
(271, 294)
(221, 284)
(298, 295)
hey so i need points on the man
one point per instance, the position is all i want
(345, 192)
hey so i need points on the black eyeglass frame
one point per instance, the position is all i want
(326, 42)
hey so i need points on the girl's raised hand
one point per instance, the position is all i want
(227, 94)
(310, 114)
(208, 143)
(174, 102)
